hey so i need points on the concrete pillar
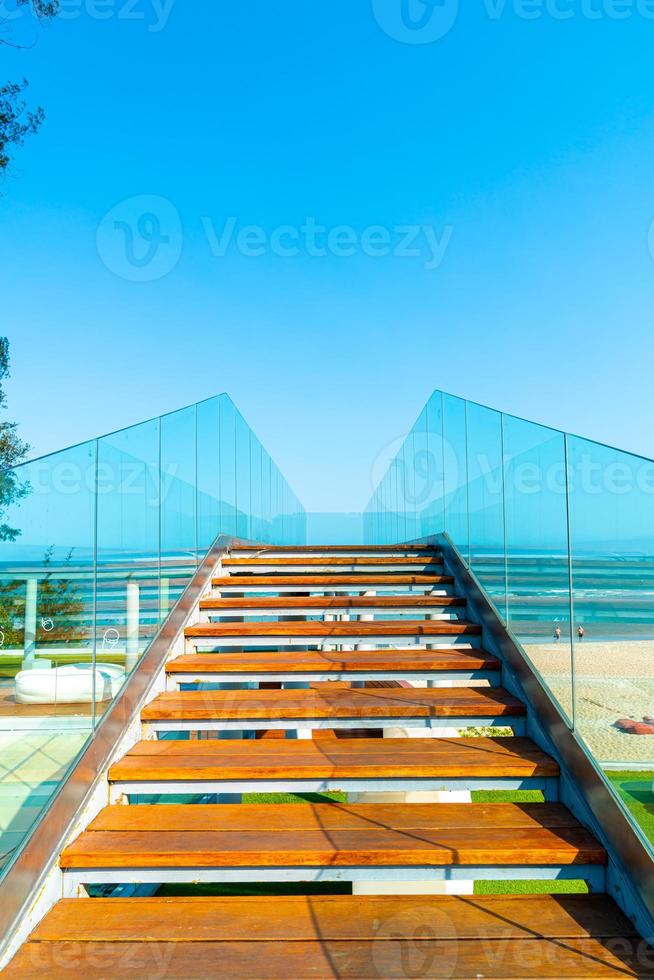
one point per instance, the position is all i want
(29, 652)
(413, 887)
(164, 597)
(133, 616)
(366, 617)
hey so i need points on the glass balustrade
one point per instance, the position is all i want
(559, 531)
(97, 543)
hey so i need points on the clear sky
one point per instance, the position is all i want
(511, 143)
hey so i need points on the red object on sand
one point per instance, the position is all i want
(632, 727)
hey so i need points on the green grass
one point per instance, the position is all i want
(507, 796)
(294, 798)
(530, 887)
(635, 790)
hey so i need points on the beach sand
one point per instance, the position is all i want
(613, 679)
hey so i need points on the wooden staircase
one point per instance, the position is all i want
(351, 672)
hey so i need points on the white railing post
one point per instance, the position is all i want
(29, 651)
(133, 612)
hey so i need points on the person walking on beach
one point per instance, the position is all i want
(580, 633)
(557, 633)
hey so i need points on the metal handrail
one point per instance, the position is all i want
(33, 862)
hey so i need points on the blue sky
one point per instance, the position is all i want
(516, 152)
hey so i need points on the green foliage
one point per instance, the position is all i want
(12, 451)
(60, 607)
(59, 602)
(43, 9)
(16, 121)
(12, 613)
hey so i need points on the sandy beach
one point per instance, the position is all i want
(613, 679)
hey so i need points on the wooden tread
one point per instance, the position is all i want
(312, 661)
(334, 703)
(409, 627)
(334, 834)
(389, 580)
(337, 548)
(534, 937)
(335, 561)
(350, 758)
(335, 602)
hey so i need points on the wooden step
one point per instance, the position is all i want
(420, 627)
(390, 580)
(340, 936)
(357, 703)
(428, 561)
(258, 842)
(329, 707)
(337, 549)
(333, 664)
(352, 764)
(267, 605)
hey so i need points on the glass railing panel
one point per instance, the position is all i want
(372, 529)
(179, 530)
(378, 517)
(266, 498)
(242, 451)
(256, 517)
(385, 508)
(537, 554)
(391, 505)
(132, 592)
(403, 479)
(277, 504)
(300, 522)
(433, 512)
(612, 521)
(208, 423)
(47, 598)
(418, 477)
(486, 501)
(560, 533)
(228, 512)
(98, 542)
(396, 501)
(411, 502)
(456, 477)
(386, 511)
